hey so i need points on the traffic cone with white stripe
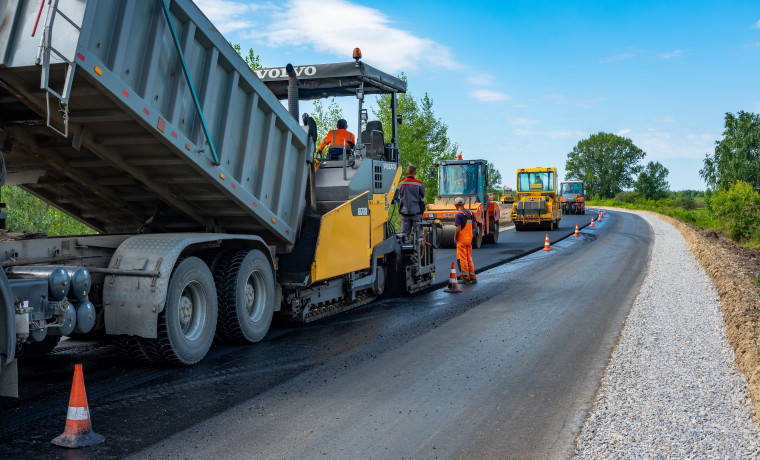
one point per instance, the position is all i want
(576, 231)
(78, 431)
(546, 244)
(453, 285)
(592, 223)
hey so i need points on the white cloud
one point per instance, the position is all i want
(756, 25)
(487, 95)
(630, 54)
(337, 26)
(480, 79)
(623, 132)
(227, 16)
(681, 143)
(671, 54)
(665, 120)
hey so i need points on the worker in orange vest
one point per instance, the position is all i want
(464, 223)
(337, 139)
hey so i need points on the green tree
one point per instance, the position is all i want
(422, 138)
(27, 213)
(494, 180)
(737, 155)
(251, 59)
(605, 162)
(326, 117)
(652, 183)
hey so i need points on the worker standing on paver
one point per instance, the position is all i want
(411, 205)
(463, 224)
(339, 140)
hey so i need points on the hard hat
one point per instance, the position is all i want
(459, 200)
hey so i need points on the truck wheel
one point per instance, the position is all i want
(246, 296)
(187, 324)
(133, 348)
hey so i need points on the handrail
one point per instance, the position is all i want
(189, 81)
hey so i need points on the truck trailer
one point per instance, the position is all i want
(211, 212)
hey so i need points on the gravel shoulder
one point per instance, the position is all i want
(672, 387)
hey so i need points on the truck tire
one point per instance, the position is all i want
(132, 348)
(246, 296)
(187, 324)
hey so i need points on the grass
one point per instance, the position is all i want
(699, 216)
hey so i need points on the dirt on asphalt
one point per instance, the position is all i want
(505, 216)
(735, 272)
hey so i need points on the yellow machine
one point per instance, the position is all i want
(347, 251)
(507, 195)
(537, 206)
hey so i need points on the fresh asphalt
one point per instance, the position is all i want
(505, 369)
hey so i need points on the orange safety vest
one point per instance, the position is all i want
(465, 234)
(338, 138)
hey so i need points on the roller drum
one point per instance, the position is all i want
(447, 237)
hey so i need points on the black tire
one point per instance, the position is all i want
(246, 296)
(438, 236)
(518, 227)
(187, 324)
(39, 349)
(132, 348)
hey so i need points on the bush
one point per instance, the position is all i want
(739, 207)
(627, 197)
(27, 213)
(686, 202)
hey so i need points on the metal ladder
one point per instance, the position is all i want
(43, 58)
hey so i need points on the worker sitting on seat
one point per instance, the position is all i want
(338, 140)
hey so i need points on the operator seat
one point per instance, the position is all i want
(373, 139)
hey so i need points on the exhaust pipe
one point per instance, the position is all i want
(292, 91)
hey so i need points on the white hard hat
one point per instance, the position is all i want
(459, 200)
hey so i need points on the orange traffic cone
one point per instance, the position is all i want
(546, 243)
(78, 431)
(453, 285)
(592, 223)
(576, 231)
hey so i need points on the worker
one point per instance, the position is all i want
(464, 223)
(338, 140)
(539, 181)
(411, 205)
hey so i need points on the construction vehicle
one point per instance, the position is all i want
(467, 179)
(572, 197)
(212, 213)
(507, 195)
(537, 206)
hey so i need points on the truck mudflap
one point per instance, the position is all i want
(8, 370)
(134, 292)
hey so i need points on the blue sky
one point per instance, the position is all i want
(520, 83)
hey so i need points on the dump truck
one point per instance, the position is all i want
(211, 212)
(507, 196)
(537, 205)
(467, 179)
(572, 197)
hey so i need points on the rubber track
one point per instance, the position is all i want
(225, 277)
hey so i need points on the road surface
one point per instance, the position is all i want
(505, 369)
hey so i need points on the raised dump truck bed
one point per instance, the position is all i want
(136, 155)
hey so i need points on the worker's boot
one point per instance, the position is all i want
(473, 279)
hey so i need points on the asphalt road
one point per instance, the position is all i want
(512, 245)
(505, 369)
